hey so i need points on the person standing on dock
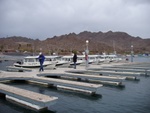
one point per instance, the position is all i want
(75, 60)
(41, 60)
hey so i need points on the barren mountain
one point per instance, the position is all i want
(98, 42)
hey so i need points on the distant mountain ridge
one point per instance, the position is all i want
(98, 42)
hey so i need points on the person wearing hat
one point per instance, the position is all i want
(41, 60)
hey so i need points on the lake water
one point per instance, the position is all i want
(134, 98)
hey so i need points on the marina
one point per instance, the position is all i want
(79, 56)
(86, 82)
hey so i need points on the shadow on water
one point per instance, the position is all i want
(121, 87)
(13, 108)
(48, 111)
(81, 95)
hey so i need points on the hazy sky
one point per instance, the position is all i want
(47, 18)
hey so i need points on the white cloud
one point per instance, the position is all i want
(47, 18)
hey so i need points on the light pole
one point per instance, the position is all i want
(114, 47)
(86, 54)
(40, 49)
(132, 53)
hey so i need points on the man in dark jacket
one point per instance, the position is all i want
(41, 60)
(75, 60)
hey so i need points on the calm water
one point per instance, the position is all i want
(134, 98)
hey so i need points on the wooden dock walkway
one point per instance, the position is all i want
(32, 77)
(90, 76)
(118, 69)
(27, 98)
(115, 73)
(105, 80)
(74, 84)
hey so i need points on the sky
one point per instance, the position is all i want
(41, 19)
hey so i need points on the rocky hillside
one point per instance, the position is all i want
(98, 42)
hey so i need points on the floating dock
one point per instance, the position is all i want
(115, 73)
(131, 66)
(127, 75)
(105, 80)
(123, 69)
(27, 98)
(82, 81)
(51, 82)
(72, 84)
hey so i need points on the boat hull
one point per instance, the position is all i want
(35, 66)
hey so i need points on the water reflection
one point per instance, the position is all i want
(41, 90)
